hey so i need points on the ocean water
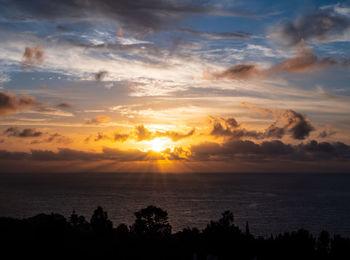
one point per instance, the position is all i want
(272, 203)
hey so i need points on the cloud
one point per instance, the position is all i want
(120, 137)
(135, 15)
(115, 137)
(64, 105)
(222, 126)
(216, 35)
(174, 136)
(99, 120)
(290, 121)
(10, 103)
(228, 127)
(54, 138)
(239, 71)
(326, 133)
(101, 75)
(270, 151)
(40, 136)
(101, 136)
(261, 110)
(322, 25)
(140, 133)
(286, 122)
(42, 108)
(26, 132)
(304, 61)
(243, 150)
(143, 133)
(33, 56)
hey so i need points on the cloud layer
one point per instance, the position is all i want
(271, 151)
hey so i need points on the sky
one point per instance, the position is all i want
(174, 86)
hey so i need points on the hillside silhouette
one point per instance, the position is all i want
(52, 236)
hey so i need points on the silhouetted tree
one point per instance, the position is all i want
(151, 221)
(322, 244)
(247, 230)
(73, 220)
(100, 223)
(226, 219)
(224, 224)
(122, 230)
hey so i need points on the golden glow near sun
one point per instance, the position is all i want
(159, 144)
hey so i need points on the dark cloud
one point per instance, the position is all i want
(216, 35)
(239, 71)
(6, 155)
(10, 103)
(40, 136)
(33, 56)
(76, 155)
(64, 105)
(270, 151)
(26, 132)
(101, 136)
(120, 137)
(223, 128)
(320, 26)
(137, 14)
(101, 75)
(43, 108)
(326, 133)
(143, 133)
(115, 137)
(286, 122)
(294, 123)
(54, 138)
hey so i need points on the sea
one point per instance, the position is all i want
(271, 203)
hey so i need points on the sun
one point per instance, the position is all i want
(159, 144)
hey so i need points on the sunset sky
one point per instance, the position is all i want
(174, 86)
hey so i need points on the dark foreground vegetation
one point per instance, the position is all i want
(150, 237)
